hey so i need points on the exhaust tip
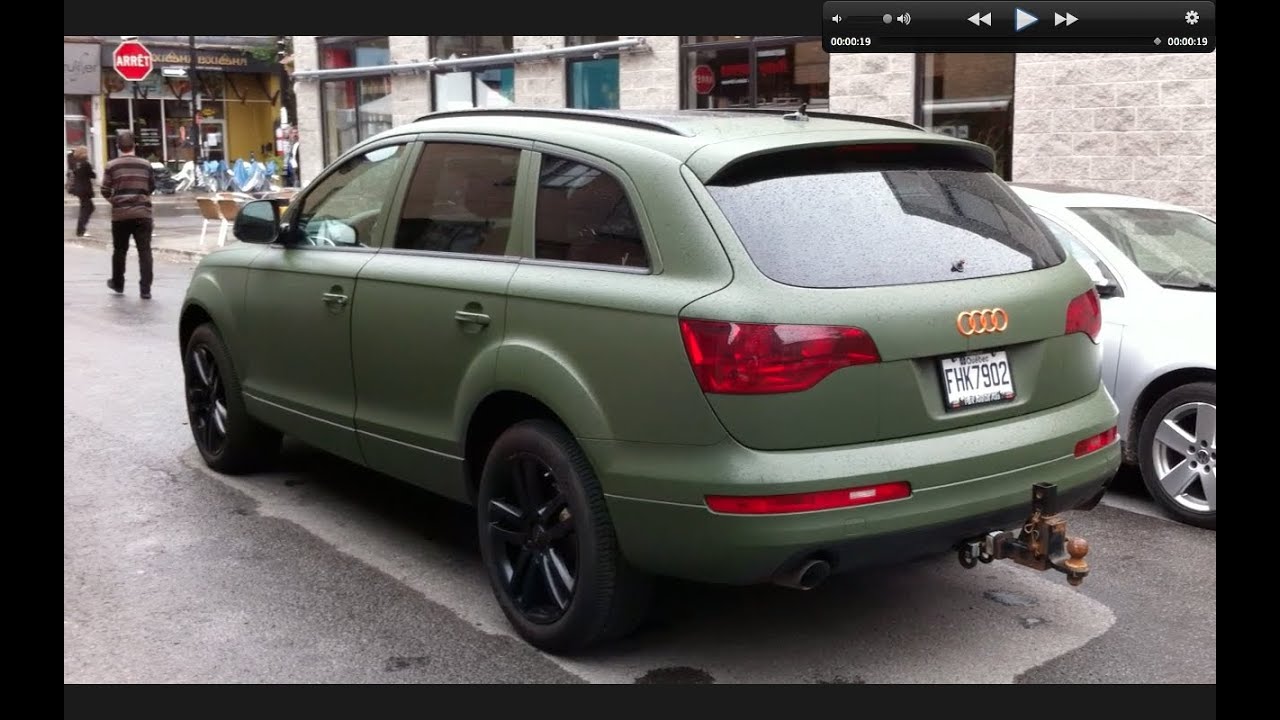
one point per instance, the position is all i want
(807, 576)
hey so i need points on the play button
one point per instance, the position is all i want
(1023, 20)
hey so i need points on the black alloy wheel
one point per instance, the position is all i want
(535, 539)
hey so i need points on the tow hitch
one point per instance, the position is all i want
(1040, 544)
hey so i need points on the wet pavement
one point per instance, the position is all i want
(322, 572)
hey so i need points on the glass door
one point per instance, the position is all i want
(213, 140)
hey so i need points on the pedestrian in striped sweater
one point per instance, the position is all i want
(127, 183)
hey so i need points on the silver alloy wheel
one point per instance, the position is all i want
(1185, 455)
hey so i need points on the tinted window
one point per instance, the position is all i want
(584, 216)
(460, 200)
(863, 217)
(345, 208)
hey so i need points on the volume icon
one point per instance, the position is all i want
(905, 18)
(836, 18)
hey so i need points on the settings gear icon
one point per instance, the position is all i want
(1193, 17)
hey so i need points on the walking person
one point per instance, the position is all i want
(127, 183)
(82, 177)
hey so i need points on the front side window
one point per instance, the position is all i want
(583, 215)
(355, 109)
(345, 208)
(1083, 255)
(1175, 249)
(460, 200)
(593, 82)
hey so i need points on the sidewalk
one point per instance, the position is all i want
(178, 242)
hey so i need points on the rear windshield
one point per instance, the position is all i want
(852, 217)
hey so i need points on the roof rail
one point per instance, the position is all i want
(820, 114)
(609, 118)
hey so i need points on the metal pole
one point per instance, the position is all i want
(191, 82)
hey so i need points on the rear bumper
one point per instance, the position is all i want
(964, 483)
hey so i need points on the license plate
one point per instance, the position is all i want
(976, 379)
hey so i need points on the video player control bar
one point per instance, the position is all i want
(1034, 26)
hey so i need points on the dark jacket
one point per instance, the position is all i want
(82, 178)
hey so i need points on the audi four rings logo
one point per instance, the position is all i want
(980, 322)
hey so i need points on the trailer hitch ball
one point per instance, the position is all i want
(1077, 567)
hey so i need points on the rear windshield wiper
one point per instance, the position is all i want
(1201, 286)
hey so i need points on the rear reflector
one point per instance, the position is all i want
(753, 359)
(1084, 315)
(1095, 443)
(807, 502)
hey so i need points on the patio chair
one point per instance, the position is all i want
(229, 208)
(210, 212)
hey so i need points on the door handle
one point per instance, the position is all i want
(330, 298)
(475, 318)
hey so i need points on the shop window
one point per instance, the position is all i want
(476, 87)
(461, 200)
(358, 108)
(592, 81)
(583, 215)
(969, 96)
(726, 72)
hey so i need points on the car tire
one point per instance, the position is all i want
(558, 574)
(228, 438)
(1182, 456)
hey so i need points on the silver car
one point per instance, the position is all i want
(1156, 269)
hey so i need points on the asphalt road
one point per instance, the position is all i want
(323, 572)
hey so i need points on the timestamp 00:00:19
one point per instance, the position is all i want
(849, 41)
(1187, 41)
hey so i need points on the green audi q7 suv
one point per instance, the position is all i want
(732, 347)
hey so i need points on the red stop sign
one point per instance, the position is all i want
(132, 60)
(704, 79)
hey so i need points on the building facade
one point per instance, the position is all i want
(237, 103)
(1130, 123)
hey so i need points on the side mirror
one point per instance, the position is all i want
(1106, 288)
(257, 222)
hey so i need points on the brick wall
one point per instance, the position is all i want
(1136, 124)
(651, 80)
(879, 84)
(540, 83)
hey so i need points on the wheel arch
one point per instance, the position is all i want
(1152, 391)
(208, 300)
(493, 415)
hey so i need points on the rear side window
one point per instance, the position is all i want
(460, 200)
(583, 215)
(877, 216)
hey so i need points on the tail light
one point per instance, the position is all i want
(1096, 442)
(1084, 314)
(807, 502)
(754, 359)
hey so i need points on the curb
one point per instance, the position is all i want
(167, 253)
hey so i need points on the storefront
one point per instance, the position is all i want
(738, 71)
(81, 87)
(1141, 124)
(237, 104)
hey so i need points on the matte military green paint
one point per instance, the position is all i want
(392, 379)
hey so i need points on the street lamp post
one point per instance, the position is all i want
(195, 113)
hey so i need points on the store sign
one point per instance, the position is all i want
(704, 79)
(225, 60)
(81, 69)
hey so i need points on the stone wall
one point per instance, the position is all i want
(1143, 125)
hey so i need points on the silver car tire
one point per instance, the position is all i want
(1178, 453)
